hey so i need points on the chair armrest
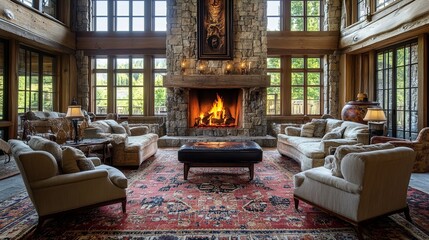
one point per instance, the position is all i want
(326, 178)
(384, 139)
(326, 144)
(71, 178)
(293, 131)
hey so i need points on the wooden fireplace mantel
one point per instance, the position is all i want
(217, 81)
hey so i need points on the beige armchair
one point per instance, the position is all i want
(420, 146)
(373, 184)
(53, 193)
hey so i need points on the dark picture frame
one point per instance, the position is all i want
(215, 33)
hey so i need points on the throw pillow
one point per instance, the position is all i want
(335, 133)
(127, 127)
(343, 150)
(85, 164)
(332, 123)
(319, 127)
(70, 157)
(307, 130)
(118, 129)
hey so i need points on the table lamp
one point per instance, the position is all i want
(376, 119)
(75, 113)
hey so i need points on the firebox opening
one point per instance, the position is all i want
(214, 107)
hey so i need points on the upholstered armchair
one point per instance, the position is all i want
(53, 191)
(420, 146)
(371, 184)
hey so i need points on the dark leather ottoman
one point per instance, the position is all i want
(220, 154)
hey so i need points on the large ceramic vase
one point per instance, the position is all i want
(355, 110)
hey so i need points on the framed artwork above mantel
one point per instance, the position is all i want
(215, 33)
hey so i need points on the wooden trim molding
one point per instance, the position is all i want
(302, 42)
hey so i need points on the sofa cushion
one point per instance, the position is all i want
(353, 129)
(307, 130)
(118, 129)
(101, 125)
(311, 150)
(85, 164)
(18, 147)
(343, 150)
(319, 127)
(127, 127)
(43, 144)
(336, 133)
(293, 131)
(70, 157)
(332, 123)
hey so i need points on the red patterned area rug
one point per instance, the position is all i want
(215, 203)
(8, 169)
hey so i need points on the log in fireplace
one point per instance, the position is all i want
(215, 107)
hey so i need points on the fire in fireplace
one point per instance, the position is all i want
(214, 107)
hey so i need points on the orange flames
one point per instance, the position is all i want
(217, 115)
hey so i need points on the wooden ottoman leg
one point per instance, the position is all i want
(252, 170)
(185, 171)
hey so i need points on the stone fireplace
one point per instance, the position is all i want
(191, 92)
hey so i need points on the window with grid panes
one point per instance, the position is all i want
(36, 81)
(129, 85)
(361, 10)
(274, 91)
(160, 92)
(380, 4)
(160, 15)
(397, 89)
(100, 85)
(47, 6)
(306, 85)
(274, 15)
(129, 15)
(305, 15)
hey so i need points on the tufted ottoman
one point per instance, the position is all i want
(220, 154)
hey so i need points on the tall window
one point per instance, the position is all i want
(397, 89)
(100, 85)
(47, 6)
(306, 86)
(361, 10)
(274, 15)
(274, 91)
(36, 83)
(160, 96)
(379, 4)
(129, 15)
(123, 84)
(129, 85)
(305, 15)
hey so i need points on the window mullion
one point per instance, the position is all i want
(148, 16)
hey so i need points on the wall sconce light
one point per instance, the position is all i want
(201, 67)
(228, 68)
(183, 65)
(243, 67)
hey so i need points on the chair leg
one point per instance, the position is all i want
(296, 201)
(124, 206)
(407, 214)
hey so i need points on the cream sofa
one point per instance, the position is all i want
(52, 191)
(131, 145)
(310, 151)
(373, 183)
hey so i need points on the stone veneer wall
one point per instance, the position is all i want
(82, 23)
(332, 61)
(250, 44)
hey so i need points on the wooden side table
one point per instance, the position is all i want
(88, 144)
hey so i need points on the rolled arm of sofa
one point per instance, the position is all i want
(326, 144)
(293, 131)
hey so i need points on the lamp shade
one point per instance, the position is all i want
(74, 111)
(375, 114)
